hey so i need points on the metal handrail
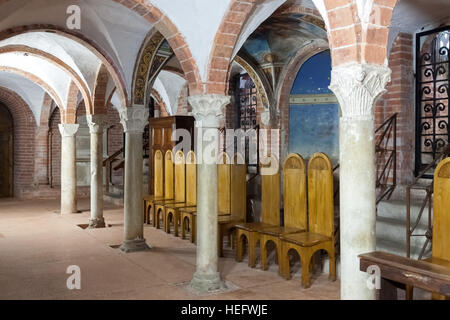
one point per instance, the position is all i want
(382, 147)
(427, 201)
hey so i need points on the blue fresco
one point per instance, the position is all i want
(315, 127)
(281, 38)
(314, 75)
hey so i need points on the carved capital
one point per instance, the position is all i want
(357, 87)
(68, 129)
(208, 108)
(134, 119)
(97, 122)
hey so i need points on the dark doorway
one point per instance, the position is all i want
(6, 153)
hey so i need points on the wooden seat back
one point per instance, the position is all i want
(159, 174)
(441, 211)
(180, 177)
(224, 183)
(294, 192)
(238, 188)
(270, 194)
(320, 195)
(168, 175)
(191, 179)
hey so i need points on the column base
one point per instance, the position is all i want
(97, 223)
(207, 283)
(134, 246)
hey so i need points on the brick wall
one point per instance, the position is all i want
(24, 135)
(399, 98)
(55, 120)
(183, 107)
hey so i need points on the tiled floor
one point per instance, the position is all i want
(37, 245)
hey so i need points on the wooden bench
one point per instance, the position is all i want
(399, 272)
(432, 274)
(320, 235)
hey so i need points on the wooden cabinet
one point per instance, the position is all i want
(160, 137)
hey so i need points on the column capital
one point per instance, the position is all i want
(68, 129)
(134, 119)
(97, 122)
(208, 108)
(357, 87)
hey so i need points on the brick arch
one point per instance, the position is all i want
(228, 34)
(46, 109)
(69, 114)
(59, 63)
(24, 132)
(226, 38)
(160, 102)
(169, 30)
(349, 40)
(99, 95)
(81, 39)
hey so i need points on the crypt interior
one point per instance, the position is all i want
(327, 122)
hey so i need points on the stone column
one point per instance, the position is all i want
(41, 156)
(207, 110)
(357, 88)
(68, 168)
(96, 125)
(134, 119)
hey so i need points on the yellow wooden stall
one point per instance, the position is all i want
(320, 235)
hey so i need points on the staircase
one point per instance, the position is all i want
(114, 189)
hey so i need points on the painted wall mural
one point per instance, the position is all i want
(314, 112)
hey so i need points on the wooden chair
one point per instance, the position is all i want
(189, 215)
(168, 189)
(320, 235)
(175, 184)
(158, 187)
(238, 201)
(441, 218)
(174, 210)
(270, 211)
(295, 207)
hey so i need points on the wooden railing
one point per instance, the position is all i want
(426, 202)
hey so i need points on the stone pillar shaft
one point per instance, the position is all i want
(357, 88)
(96, 124)
(134, 120)
(68, 168)
(208, 111)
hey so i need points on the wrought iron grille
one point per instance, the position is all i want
(247, 102)
(432, 97)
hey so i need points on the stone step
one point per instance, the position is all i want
(396, 210)
(397, 248)
(394, 231)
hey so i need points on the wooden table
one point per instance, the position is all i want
(399, 272)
